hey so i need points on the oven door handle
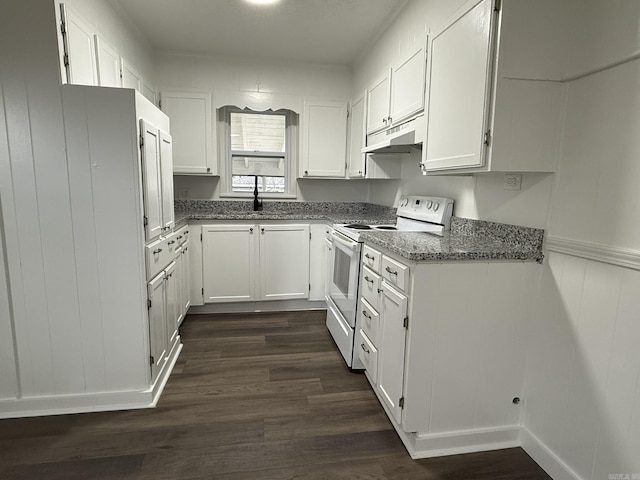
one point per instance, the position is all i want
(344, 241)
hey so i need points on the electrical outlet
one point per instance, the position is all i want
(183, 193)
(512, 182)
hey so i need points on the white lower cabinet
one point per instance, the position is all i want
(443, 349)
(255, 262)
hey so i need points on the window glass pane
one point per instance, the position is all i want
(246, 184)
(272, 166)
(254, 132)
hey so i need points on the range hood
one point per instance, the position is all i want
(398, 139)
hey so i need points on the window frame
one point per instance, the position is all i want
(290, 153)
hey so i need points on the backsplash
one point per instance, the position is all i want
(226, 206)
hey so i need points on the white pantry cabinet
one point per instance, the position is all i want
(486, 110)
(190, 114)
(106, 165)
(255, 262)
(324, 139)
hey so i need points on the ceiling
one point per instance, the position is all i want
(303, 31)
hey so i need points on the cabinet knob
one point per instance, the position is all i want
(262, 230)
(359, 172)
(306, 172)
(251, 230)
(208, 169)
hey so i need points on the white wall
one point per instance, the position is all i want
(480, 197)
(583, 374)
(115, 29)
(226, 74)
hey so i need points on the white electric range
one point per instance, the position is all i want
(344, 247)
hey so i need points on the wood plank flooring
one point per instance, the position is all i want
(264, 396)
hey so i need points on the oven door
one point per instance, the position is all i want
(344, 264)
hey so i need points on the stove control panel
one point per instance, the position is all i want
(427, 209)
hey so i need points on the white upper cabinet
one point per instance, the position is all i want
(485, 112)
(108, 64)
(378, 102)
(80, 54)
(131, 78)
(190, 114)
(324, 139)
(407, 87)
(459, 82)
(151, 179)
(357, 136)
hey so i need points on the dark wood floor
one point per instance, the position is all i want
(252, 397)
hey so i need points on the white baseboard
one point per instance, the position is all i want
(253, 307)
(90, 402)
(543, 456)
(469, 441)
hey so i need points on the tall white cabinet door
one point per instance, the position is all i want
(166, 176)
(378, 99)
(156, 292)
(229, 262)
(79, 49)
(173, 303)
(190, 115)
(131, 78)
(324, 139)
(407, 87)
(186, 277)
(108, 64)
(357, 136)
(284, 262)
(151, 179)
(391, 346)
(459, 90)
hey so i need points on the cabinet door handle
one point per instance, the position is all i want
(171, 242)
(364, 348)
(178, 238)
(155, 252)
(251, 230)
(262, 231)
(367, 279)
(367, 256)
(366, 315)
(186, 232)
(384, 120)
(380, 290)
(389, 118)
(392, 272)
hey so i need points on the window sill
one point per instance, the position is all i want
(270, 196)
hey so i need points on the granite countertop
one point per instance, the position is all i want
(332, 212)
(467, 240)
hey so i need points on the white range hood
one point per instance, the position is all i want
(398, 139)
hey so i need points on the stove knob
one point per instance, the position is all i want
(404, 202)
(436, 206)
(429, 204)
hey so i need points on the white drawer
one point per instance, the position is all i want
(182, 235)
(370, 286)
(395, 273)
(369, 321)
(371, 258)
(158, 256)
(368, 355)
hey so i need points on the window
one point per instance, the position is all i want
(259, 152)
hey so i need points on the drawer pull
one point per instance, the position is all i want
(380, 290)
(366, 315)
(367, 279)
(364, 347)
(392, 272)
(366, 255)
(179, 237)
(171, 242)
(155, 252)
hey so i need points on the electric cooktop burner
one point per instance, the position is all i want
(357, 226)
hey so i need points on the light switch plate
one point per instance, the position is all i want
(512, 182)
